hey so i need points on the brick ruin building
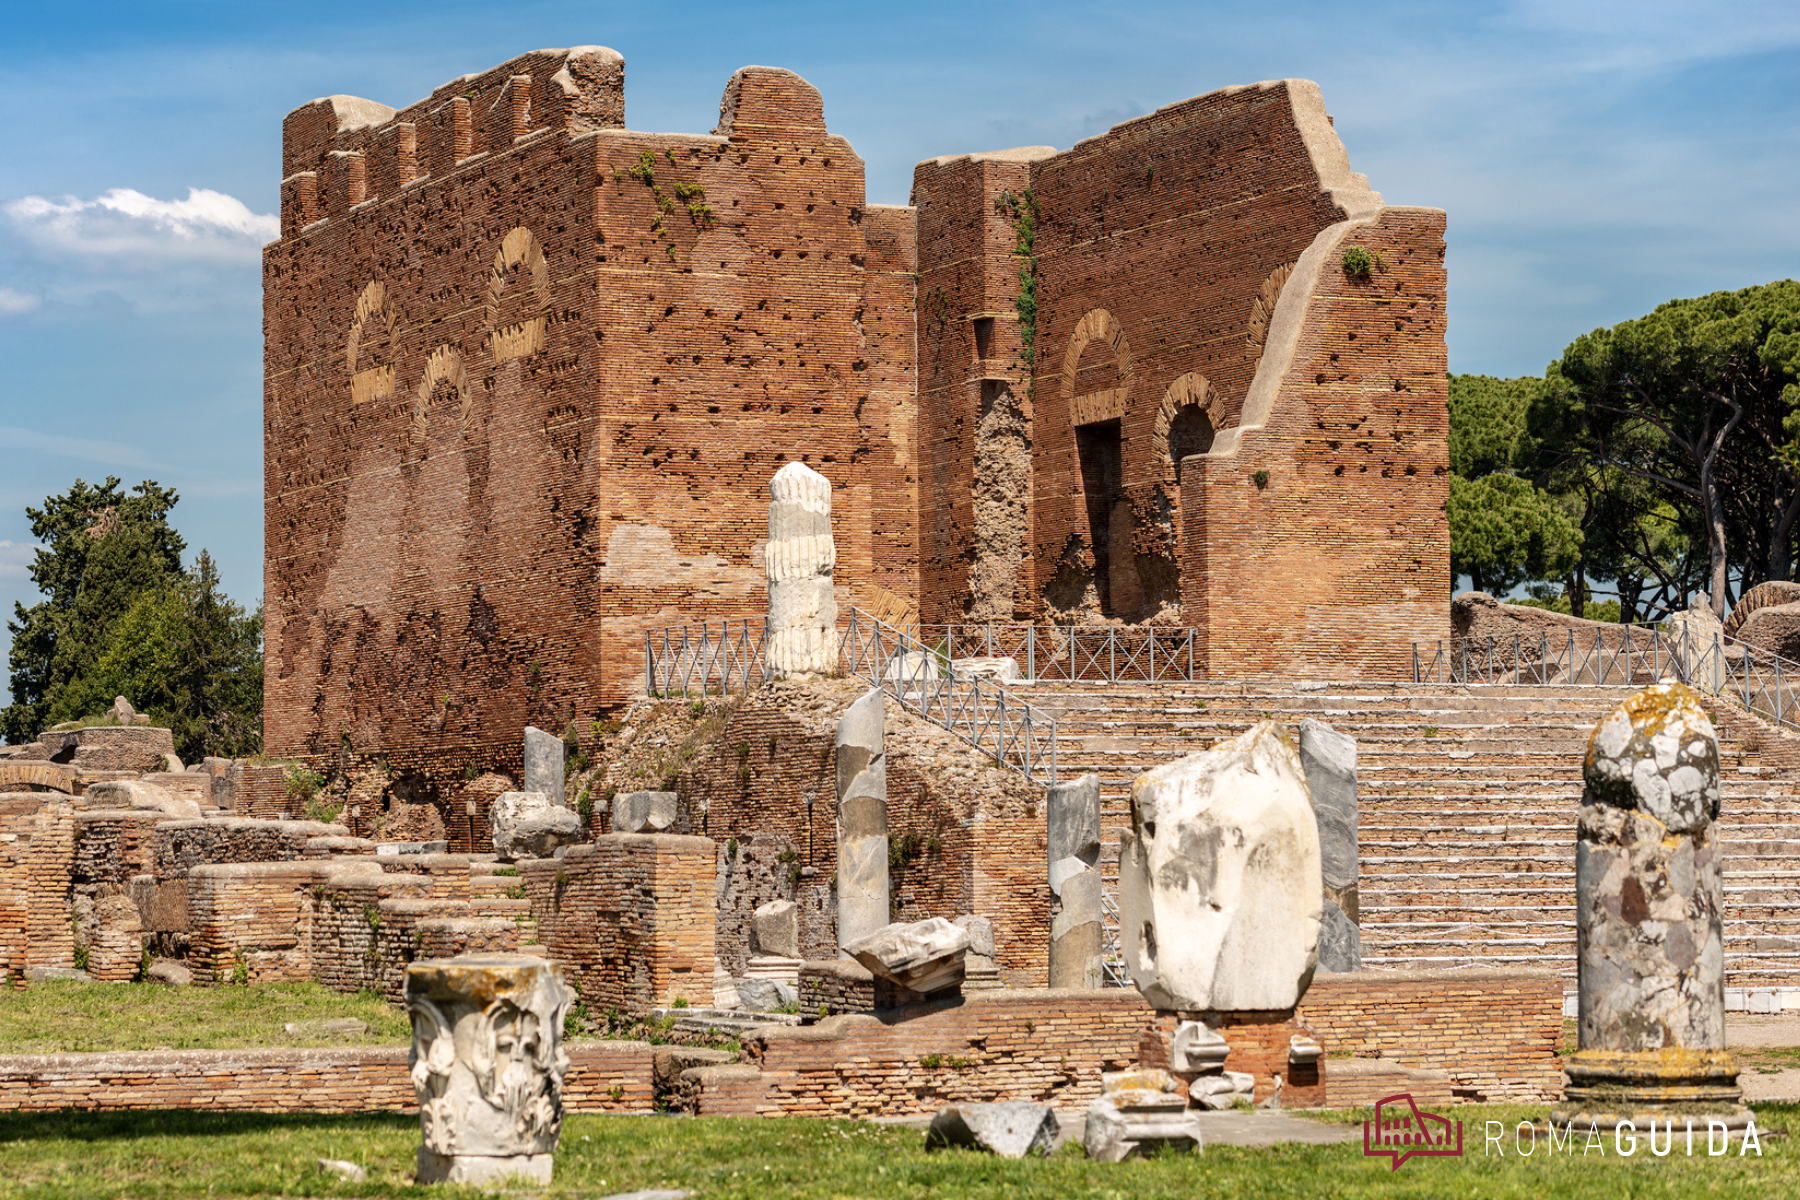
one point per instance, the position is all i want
(528, 373)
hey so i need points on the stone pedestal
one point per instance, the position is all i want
(1649, 891)
(488, 1065)
(775, 967)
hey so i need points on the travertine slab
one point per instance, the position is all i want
(924, 956)
(545, 761)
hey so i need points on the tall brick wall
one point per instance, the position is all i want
(523, 403)
(1190, 299)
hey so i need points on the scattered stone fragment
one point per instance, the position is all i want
(169, 972)
(924, 956)
(764, 995)
(46, 974)
(775, 930)
(1198, 1047)
(1012, 1129)
(528, 825)
(1219, 878)
(1114, 1135)
(645, 812)
(343, 1170)
(998, 670)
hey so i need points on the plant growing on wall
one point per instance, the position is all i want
(1023, 212)
(690, 196)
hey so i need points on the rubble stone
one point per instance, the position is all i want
(134, 793)
(1219, 878)
(529, 825)
(1114, 1134)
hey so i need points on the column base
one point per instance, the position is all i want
(1610, 1087)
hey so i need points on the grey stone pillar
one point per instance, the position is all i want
(798, 561)
(1072, 837)
(1649, 890)
(862, 874)
(1329, 760)
(544, 758)
(488, 1064)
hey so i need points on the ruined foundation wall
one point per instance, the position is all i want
(527, 376)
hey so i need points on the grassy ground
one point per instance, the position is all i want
(68, 1017)
(149, 1156)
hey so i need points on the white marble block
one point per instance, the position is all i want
(798, 562)
(487, 1063)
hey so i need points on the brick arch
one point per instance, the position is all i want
(372, 327)
(521, 338)
(445, 365)
(1190, 390)
(1108, 404)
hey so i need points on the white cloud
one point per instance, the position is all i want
(16, 559)
(125, 227)
(13, 303)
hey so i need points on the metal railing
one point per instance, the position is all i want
(1762, 682)
(707, 659)
(1112, 954)
(1074, 653)
(925, 682)
(730, 657)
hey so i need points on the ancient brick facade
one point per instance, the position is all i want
(528, 374)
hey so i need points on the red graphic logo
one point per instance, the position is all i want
(1400, 1131)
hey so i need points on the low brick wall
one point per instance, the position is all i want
(1492, 1033)
(603, 1077)
(1495, 1033)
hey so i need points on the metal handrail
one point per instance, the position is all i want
(1760, 681)
(925, 682)
(1073, 653)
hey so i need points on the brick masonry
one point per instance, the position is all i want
(603, 1077)
(527, 374)
(1493, 1032)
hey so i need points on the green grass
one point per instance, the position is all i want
(67, 1017)
(165, 1154)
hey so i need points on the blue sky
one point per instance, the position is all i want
(1595, 158)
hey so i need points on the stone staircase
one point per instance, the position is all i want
(1467, 817)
